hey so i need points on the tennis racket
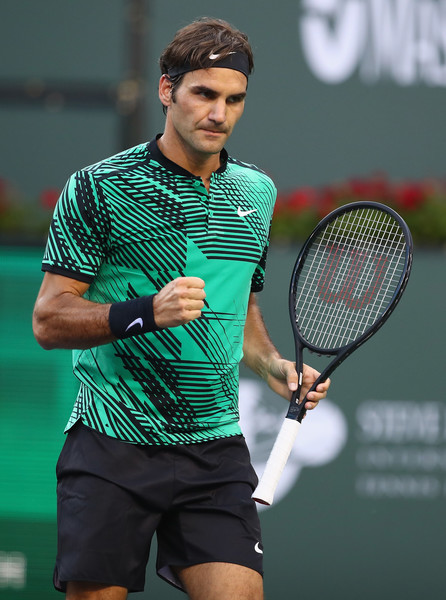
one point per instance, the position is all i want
(347, 280)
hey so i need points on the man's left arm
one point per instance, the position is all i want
(263, 358)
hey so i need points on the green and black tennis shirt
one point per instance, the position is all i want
(127, 226)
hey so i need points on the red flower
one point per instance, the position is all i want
(49, 198)
(281, 203)
(360, 188)
(409, 195)
(375, 188)
(301, 198)
(326, 201)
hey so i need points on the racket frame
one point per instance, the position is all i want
(297, 409)
(264, 492)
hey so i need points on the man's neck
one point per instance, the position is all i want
(200, 165)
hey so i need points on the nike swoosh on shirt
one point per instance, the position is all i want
(243, 213)
(137, 321)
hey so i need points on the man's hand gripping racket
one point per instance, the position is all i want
(347, 280)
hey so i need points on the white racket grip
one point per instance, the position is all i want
(264, 492)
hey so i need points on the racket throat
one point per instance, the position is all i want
(296, 410)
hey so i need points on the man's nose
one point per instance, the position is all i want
(218, 112)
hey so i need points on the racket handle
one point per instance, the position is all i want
(264, 492)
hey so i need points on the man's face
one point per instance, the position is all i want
(206, 106)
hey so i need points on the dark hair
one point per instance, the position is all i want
(194, 43)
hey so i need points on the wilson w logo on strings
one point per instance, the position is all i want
(351, 276)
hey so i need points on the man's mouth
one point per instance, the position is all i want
(213, 131)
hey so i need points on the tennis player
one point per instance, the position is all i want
(153, 260)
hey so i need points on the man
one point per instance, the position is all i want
(152, 262)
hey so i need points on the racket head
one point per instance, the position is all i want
(348, 278)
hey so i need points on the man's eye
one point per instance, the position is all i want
(205, 94)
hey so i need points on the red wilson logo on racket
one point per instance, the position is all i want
(351, 276)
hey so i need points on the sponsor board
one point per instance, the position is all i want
(398, 447)
(402, 41)
(401, 450)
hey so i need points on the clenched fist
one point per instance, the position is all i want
(179, 302)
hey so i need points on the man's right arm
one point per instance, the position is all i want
(63, 318)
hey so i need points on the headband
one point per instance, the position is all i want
(234, 60)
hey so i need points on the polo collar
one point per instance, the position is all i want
(157, 155)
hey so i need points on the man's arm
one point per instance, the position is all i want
(62, 318)
(262, 357)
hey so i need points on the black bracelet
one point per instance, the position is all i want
(132, 317)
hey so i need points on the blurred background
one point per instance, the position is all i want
(347, 102)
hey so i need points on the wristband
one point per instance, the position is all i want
(132, 317)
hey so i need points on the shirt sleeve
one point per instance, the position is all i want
(79, 231)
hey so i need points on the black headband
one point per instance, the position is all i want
(234, 60)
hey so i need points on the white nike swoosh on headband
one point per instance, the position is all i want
(215, 56)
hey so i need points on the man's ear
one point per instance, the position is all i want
(165, 90)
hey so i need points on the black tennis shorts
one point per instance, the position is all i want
(113, 496)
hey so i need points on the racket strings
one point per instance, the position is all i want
(346, 271)
(349, 277)
(365, 270)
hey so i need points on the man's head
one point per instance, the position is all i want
(203, 87)
(204, 44)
